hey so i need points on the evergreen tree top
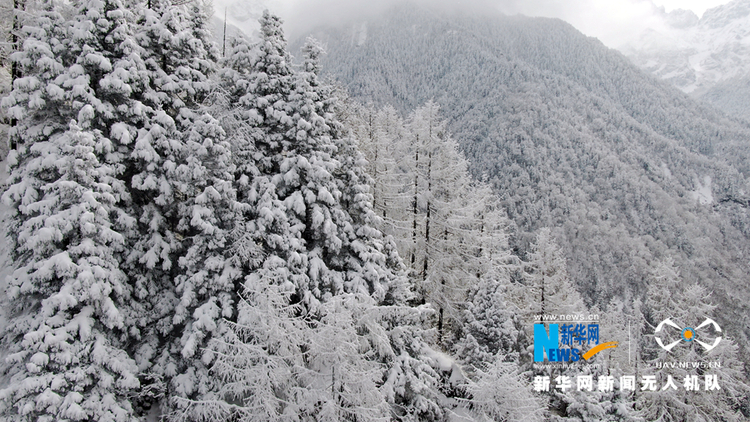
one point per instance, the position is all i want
(274, 58)
(312, 51)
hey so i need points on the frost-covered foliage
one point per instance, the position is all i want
(570, 136)
(491, 326)
(197, 238)
(339, 341)
(280, 363)
(68, 294)
(501, 394)
(547, 287)
(70, 364)
(184, 199)
(688, 306)
(302, 183)
(447, 227)
(162, 174)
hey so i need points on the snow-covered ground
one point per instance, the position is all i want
(702, 192)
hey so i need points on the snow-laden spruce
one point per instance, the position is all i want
(300, 178)
(68, 327)
(338, 341)
(184, 200)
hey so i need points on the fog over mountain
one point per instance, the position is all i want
(625, 169)
(708, 58)
(703, 54)
(615, 22)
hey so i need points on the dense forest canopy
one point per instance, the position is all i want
(625, 170)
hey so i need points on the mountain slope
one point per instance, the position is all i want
(625, 169)
(708, 57)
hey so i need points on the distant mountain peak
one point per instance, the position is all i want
(708, 58)
(720, 16)
(681, 18)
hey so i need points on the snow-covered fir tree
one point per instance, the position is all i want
(69, 288)
(491, 326)
(310, 250)
(69, 328)
(184, 199)
(305, 205)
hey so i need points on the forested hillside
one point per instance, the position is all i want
(624, 169)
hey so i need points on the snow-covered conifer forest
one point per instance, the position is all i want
(219, 231)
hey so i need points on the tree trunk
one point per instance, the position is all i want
(414, 206)
(15, 72)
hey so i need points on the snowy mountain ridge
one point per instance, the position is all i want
(700, 56)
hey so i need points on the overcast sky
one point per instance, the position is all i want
(612, 21)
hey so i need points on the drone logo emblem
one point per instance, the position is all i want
(689, 334)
